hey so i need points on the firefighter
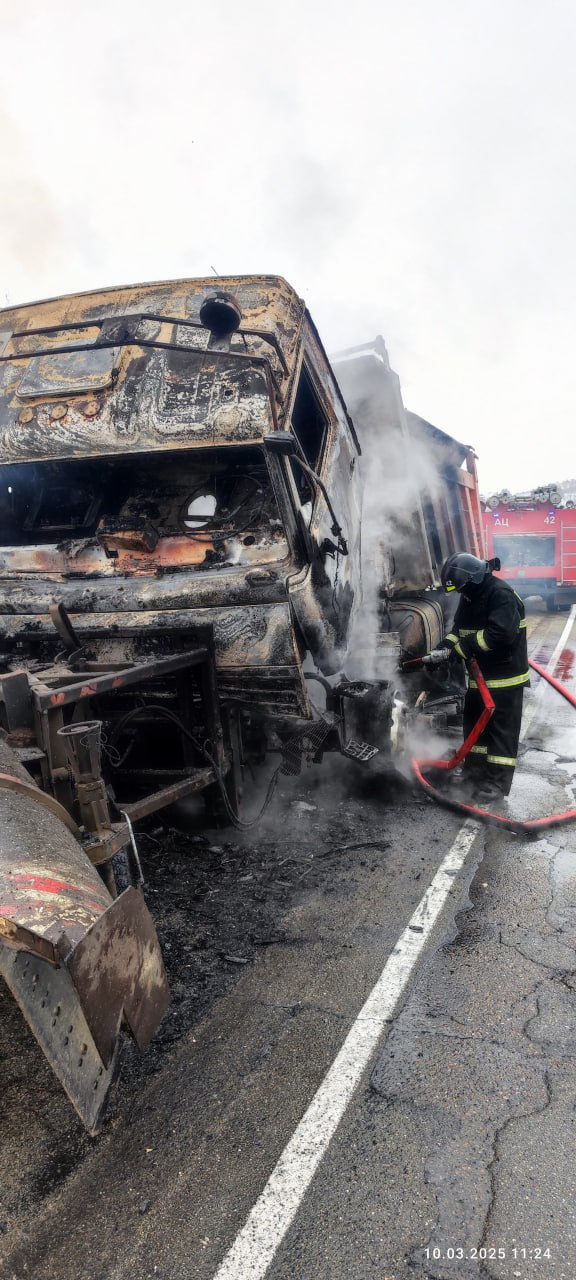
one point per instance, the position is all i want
(489, 625)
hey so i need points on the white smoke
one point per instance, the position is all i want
(399, 469)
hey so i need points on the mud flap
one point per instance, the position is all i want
(118, 972)
(49, 1002)
(75, 1007)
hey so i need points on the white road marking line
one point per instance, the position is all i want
(256, 1244)
(540, 693)
(259, 1239)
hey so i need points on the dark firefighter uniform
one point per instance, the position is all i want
(490, 625)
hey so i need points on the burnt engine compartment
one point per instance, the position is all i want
(216, 506)
(162, 724)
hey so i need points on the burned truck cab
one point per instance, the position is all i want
(177, 461)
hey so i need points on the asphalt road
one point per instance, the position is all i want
(454, 1156)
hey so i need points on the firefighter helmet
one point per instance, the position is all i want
(463, 570)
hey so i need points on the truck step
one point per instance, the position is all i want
(362, 751)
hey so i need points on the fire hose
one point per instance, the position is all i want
(530, 827)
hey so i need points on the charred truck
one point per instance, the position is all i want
(180, 561)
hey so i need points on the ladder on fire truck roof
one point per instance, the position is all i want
(568, 552)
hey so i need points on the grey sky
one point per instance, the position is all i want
(409, 167)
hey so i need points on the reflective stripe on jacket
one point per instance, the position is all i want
(491, 627)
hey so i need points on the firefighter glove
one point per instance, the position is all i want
(466, 648)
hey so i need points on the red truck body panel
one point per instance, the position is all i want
(537, 548)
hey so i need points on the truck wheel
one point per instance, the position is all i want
(551, 605)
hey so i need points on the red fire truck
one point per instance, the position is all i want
(536, 543)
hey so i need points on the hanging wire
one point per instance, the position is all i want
(205, 750)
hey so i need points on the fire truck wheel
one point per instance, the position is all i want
(551, 605)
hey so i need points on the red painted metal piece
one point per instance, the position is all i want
(537, 545)
(79, 962)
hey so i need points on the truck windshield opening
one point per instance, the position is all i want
(221, 496)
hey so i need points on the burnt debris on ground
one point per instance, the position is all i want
(218, 898)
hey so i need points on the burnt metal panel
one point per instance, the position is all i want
(118, 972)
(35, 579)
(326, 592)
(77, 962)
(279, 691)
(16, 701)
(92, 685)
(159, 383)
(250, 637)
(47, 883)
(68, 373)
(76, 1007)
(49, 1002)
